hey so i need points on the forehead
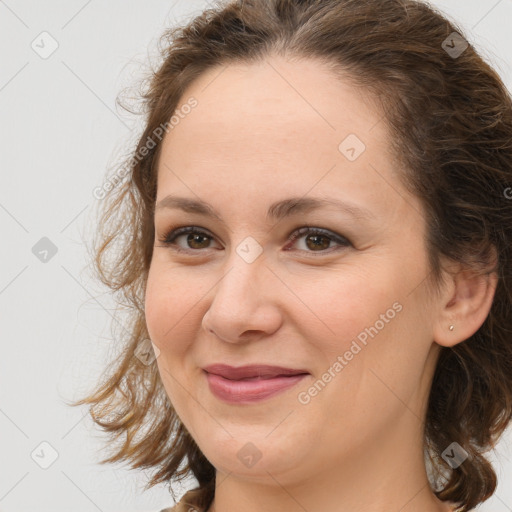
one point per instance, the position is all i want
(279, 127)
(279, 97)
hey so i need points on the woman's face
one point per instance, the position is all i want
(348, 305)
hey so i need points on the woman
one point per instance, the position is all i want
(318, 247)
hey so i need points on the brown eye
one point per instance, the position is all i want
(317, 239)
(195, 240)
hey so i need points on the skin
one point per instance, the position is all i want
(261, 133)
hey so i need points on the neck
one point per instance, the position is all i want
(388, 475)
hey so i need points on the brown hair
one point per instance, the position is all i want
(451, 120)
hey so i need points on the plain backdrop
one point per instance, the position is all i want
(62, 65)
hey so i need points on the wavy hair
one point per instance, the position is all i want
(451, 119)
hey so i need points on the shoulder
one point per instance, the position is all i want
(188, 503)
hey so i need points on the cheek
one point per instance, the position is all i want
(353, 324)
(169, 301)
(373, 352)
(153, 306)
(169, 313)
(339, 305)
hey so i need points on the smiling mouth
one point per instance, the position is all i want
(251, 371)
(250, 389)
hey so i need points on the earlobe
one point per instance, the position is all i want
(465, 308)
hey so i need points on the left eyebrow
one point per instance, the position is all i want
(298, 205)
(277, 211)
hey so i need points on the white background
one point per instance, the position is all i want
(60, 130)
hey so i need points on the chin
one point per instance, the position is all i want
(253, 457)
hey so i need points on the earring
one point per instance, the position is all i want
(451, 327)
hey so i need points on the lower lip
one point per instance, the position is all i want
(248, 391)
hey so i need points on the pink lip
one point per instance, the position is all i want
(266, 381)
(253, 370)
(240, 391)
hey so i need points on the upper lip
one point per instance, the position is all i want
(254, 370)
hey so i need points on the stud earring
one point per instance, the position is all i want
(451, 327)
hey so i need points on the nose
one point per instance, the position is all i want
(245, 303)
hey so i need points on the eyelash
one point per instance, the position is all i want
(168, 239)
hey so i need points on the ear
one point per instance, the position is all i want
(465, 303)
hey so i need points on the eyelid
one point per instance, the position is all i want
(306, 230)
(170, 235)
